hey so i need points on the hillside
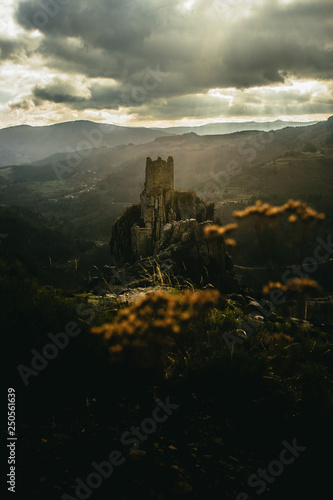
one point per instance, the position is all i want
(41, 244)
(25, 144)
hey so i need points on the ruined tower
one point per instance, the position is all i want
(167, 225)
(159, 175)
(158, 195)
(157, 206)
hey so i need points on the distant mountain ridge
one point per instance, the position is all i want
(25, 144)
(190, 150)
(230, 128)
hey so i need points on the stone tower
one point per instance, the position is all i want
(158, 195)
(157, 207)
(168, 225)
(159, 175)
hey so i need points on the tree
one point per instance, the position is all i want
(309, 148)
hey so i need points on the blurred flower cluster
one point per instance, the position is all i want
(297, 284)
(295, 209)
(214, 231)
(143, 333)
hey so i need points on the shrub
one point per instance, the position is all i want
(142, 335)
(309, 148)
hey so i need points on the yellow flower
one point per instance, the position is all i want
(115, 348)
(292, 218)
(230, 242)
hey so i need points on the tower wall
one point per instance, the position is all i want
(159, 174)
(157, 196)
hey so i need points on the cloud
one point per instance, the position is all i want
(62, 91)
(24, 104)
(117, 39)
(16, 49)
(294, 98)
(98, 54)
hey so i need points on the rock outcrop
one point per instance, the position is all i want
(168, 225)
(184, 251)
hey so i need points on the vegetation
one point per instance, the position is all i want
(309, 148)
(243, 376)
(277, 377)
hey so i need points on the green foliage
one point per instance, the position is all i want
(28, 311)
(309, 148)
(329, 140)
(131, 215)
(210, 211)
(95, 258)
(201, 344)
(186, 196)
(285, 357)
(34, 240)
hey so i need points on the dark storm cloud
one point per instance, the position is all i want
(15, 49)
(8, 49)
(195, 51)
(60, 91)
(178, 107)
(296, 39)
(99, 95)
(104, 23)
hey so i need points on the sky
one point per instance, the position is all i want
(165, 62)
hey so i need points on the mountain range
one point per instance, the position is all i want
(25, 144)
(231, 127)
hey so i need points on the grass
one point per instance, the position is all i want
(232, 406)
(287, 357)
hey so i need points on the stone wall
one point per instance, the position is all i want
(158, 196)
(159, 175)
(141, 242)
